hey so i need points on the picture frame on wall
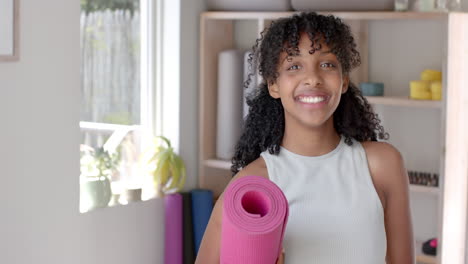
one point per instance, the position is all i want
(9, 30)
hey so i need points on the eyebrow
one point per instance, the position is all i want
(322, 53)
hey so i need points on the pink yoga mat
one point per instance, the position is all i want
(255, 213)
(173, 232)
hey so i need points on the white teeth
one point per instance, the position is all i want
(311, 99)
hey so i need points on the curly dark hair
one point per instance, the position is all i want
(264, 125)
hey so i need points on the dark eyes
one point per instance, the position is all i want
(327, 65)
(295, 67)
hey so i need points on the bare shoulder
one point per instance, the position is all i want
(256, 167)
(386, 166)
(381, 153)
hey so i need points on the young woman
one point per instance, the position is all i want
(311, 132)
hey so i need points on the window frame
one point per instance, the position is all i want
(150, 81)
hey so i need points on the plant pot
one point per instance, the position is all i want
(114, 200)
(133, 195)
(94, 193)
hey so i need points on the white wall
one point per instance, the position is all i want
(189, 84)
(39, 103)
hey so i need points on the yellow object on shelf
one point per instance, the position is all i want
(436, 90)
(420, 90)
(431, 75)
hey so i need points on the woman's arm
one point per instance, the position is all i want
(388, 171)
(211, 242)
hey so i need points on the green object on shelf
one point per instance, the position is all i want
(167, 167)
(372, 88)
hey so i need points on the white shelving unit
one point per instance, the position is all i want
(219, 32)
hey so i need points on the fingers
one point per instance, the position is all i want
(281, 258)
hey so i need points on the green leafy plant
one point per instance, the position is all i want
(96, 166)
(97, 162)
(166, 167)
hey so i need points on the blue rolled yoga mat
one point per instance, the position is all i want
(202, 206)
(188, 248)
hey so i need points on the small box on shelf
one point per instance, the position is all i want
(423, 178)
(424, 182)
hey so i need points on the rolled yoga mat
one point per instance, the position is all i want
(255, 213)
(202, 206)
(229, 107)
(188, 243)
(173, 231)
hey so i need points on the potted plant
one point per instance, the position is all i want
(165, 166)
(96, 167)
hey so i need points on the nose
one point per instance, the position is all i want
(312, 78)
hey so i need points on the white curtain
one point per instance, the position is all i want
(110, 67)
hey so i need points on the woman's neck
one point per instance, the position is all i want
(313, 141)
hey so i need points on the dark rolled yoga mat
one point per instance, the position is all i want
(188, 243)
(202, 206)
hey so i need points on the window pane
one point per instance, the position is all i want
(111, 112)
(110, 65)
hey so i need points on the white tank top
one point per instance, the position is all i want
(335, 214)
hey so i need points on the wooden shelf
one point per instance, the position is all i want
(217, 175)
(421, 258)
(403, 101)
(424, 189)
(344, 15)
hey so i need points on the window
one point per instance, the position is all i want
(117, 107)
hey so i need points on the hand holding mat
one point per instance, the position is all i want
(255, 213)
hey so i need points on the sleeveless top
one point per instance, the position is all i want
(335, 214)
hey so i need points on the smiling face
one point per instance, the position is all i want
(309, 84)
